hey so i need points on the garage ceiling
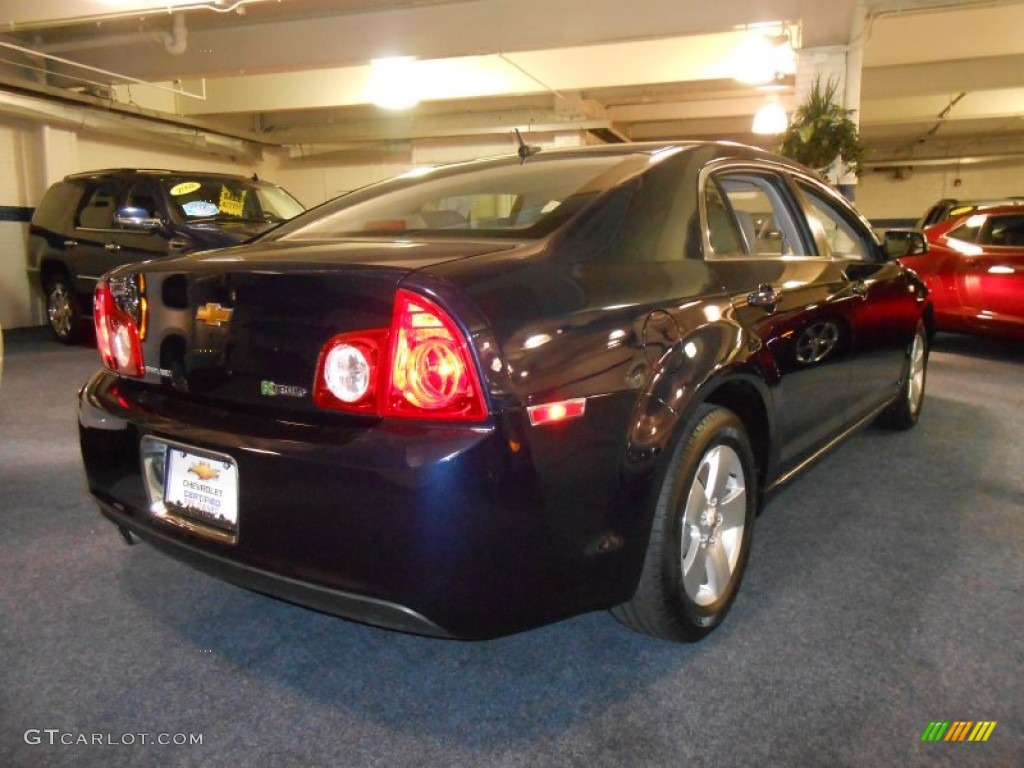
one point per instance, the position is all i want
(941, 79)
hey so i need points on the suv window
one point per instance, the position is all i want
(143, 198)
(54, 209)
(100, 204)
(194, 198)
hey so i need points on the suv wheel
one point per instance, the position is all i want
(62, 309)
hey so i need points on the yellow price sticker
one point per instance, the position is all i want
(232, 205)
(185, 187)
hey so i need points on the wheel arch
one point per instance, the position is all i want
(748, 402)
(657, 425)
(48, 268)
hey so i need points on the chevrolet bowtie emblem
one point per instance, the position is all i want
(214, 314)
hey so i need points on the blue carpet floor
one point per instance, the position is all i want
(885, 591)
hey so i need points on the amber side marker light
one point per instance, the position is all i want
(552, 413)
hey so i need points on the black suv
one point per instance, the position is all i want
(91, 222)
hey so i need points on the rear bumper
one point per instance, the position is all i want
(462, 532)
(337, 602)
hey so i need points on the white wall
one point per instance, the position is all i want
(881, 195)
(318, 178)
(19, 156)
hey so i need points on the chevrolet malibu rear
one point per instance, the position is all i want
(422, 406)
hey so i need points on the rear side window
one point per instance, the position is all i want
(748, 216)
(57, 204)
(100, 204)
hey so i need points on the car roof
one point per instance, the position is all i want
(158, 173)
(1006, 207)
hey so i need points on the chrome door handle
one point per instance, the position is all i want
(70, 243)
(112, 247)
(765, 296)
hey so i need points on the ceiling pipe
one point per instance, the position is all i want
(176, 41)
(94, 18)
(124, 79)
(84, 118)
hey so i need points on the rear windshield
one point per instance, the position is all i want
(502, 200)
(198, 198)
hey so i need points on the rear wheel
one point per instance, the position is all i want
(700, 538)
(904, 412)
(62, 309)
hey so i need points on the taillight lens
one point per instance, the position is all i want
(348, 370)
(117, 334)
(421, 367)
(432, 371)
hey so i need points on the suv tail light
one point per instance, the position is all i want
(117, 331)
(421, 367)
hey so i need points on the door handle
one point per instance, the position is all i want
(176, 244)
(765, 296)
(70, 243)
(112, 247)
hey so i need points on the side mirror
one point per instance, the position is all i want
(138, 219)
(905, 242)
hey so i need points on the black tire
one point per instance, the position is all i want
(680, 597)
(906, 409)
(62, 309)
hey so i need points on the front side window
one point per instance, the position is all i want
(1004, 230)
(843, 237)
(968, 231)
(99, 207)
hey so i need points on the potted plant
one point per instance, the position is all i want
(821, 132)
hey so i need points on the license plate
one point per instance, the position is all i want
(203, 488)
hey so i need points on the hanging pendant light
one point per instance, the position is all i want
(770, 118)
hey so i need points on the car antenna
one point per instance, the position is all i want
(525, 150)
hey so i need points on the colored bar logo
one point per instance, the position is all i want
(958, 730)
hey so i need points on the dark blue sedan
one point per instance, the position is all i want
(483, 397)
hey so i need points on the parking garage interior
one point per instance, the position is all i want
(883, 592)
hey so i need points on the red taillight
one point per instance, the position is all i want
(348, 372)
(432, 371)
(117, 335)
(420, 368)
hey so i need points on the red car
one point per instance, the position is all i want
(974, 268)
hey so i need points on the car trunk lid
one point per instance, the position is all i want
(247, 325)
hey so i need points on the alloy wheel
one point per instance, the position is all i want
(713, 524)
